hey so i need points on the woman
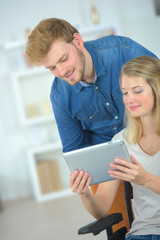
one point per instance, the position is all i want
(140, 85)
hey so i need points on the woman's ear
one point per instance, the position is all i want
(77, 40)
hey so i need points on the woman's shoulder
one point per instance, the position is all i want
(120, 135)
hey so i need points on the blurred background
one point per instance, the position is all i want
(31, 162)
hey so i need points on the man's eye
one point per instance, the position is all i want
(124, 93)
(64, 59)
(52, 68)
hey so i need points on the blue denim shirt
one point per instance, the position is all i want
(93, 113)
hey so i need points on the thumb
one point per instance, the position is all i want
(134, 160)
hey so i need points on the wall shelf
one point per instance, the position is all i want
(31, 89)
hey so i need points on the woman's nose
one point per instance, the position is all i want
(130, 98)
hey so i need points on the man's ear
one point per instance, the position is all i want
(77, 40)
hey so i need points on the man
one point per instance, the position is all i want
(85, 94)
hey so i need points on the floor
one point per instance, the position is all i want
(59, 219)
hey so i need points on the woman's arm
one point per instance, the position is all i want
(98, 205)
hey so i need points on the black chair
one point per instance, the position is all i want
(112, 219)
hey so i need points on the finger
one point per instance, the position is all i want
(119, 167)
(130, 172)
(134, 160)
(126, 164)
(124, 173)
(120, 175)
(85, 181)
(77, 181)
(72, 178)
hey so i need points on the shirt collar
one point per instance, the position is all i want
(98, 65)
(82, 84)
(97, 61)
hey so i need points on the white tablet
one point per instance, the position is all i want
(96, 159)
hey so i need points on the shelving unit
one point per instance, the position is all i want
(50, 151)
(31, 87)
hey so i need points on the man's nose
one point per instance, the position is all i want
(61, 70)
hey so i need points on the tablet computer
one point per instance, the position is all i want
(96, 159)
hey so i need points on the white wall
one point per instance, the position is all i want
(137, 19)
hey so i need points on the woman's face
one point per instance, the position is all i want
(138, 96)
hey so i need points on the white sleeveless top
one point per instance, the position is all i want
(146, 203)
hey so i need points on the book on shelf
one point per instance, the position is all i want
(49, 176)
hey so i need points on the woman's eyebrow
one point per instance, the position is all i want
(133, 87)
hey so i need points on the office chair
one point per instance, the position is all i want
(119, 218)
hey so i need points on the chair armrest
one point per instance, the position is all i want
(99, 225)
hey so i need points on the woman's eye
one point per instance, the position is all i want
(124, 93)
(139, 91)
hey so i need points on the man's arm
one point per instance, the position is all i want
(135, 50)
(71, 132)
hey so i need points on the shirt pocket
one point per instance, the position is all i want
(88, 114)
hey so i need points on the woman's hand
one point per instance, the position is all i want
(131, 172)
(79, 182)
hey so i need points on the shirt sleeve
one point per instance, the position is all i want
(135, 50)
(71, 133)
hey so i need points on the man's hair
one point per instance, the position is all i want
(147, 68)
(43, 35)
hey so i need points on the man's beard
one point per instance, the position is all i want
(82, 62)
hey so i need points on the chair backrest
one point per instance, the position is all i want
(121, 203)
(128, 197)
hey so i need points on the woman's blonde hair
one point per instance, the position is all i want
(147, 68)
(43, 35)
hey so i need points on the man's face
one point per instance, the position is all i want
(66, 61)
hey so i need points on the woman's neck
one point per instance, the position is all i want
(149, 125)
(150, 140)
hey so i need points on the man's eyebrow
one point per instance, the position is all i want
(49, 67)
(57, 61)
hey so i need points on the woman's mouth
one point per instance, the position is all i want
(133, 108)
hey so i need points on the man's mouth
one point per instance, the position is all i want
(69, 75)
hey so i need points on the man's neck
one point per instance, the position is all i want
(89, 73)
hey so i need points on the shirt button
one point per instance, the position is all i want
(116, 117)
(96, 87)
(107, 103)
(90, 117)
